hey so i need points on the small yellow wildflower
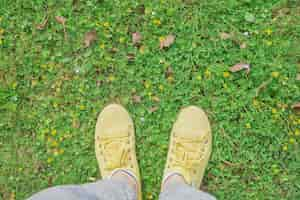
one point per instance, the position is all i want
(142, 49)
(255, 103)
(14, 85)
(161, 87)
(268, 31)
(82, 107)
(54, 143)
(285, 148)
(156, 22)
(49, 160)
(61, 151)
(275, 74)
(55, 152)
(121, 39)
(199, 78)
(106, 24)
(147, 85)
(161, 38)
(226, 74)
(292, 140)
(111, 78)
(248, 125)
(170, 79)
(274, 111)
(207, 73)
(55, 105)
(268, 43)
(102, 46)
(54, 132)
(297, 132)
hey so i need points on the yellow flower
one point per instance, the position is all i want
(207, 73)
(49, 160)
(156, 22)
(82, 107)
(268, 43)
(274, 111)
(285, 148)
(161, 38)
(161, 87)
(226, 74)
(292, 140)
(102, 46)
(54, 132)
(275, 74)
(54, 143)
(111, 78)
(268, 31)
(297, 132)
(147, 85)
(121, 39)
(106, 24)
(248, 125)
(170, 79)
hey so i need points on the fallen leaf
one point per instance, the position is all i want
(239, 67)
(89, 38)
(155, 99)
(169, 72)
(225, 36)
(243, 45)
(298, 77)
(130, 56)
(136, 99)
(153, 109)
(42, 25)
(167, 41)
(60, 20)
(296, 107)
(136, 37)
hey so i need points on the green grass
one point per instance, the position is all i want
(52, 90)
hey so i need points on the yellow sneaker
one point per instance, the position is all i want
(115, 144)
(190, 146)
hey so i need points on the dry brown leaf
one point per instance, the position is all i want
(136, 37)
(130, 57)
(136, 99)
(243, 45)
(153, 109)
(225, 36)
(169, 72)
(167, 41)
(298, 77)
(60, 20)
(239, 67)
(42, 25)
(156, 99)
(296, 107)
(89, 38)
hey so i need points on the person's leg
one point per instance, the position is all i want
(114, 188)
(188, 155)
(115, 152)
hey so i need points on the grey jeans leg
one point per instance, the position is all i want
(101, 190)
(182, 191)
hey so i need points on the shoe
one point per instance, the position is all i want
(190, 146)
(115, 144)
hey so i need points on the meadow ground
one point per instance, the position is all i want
(55, 80)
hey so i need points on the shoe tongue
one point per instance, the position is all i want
(115, 132)
(189, 133)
